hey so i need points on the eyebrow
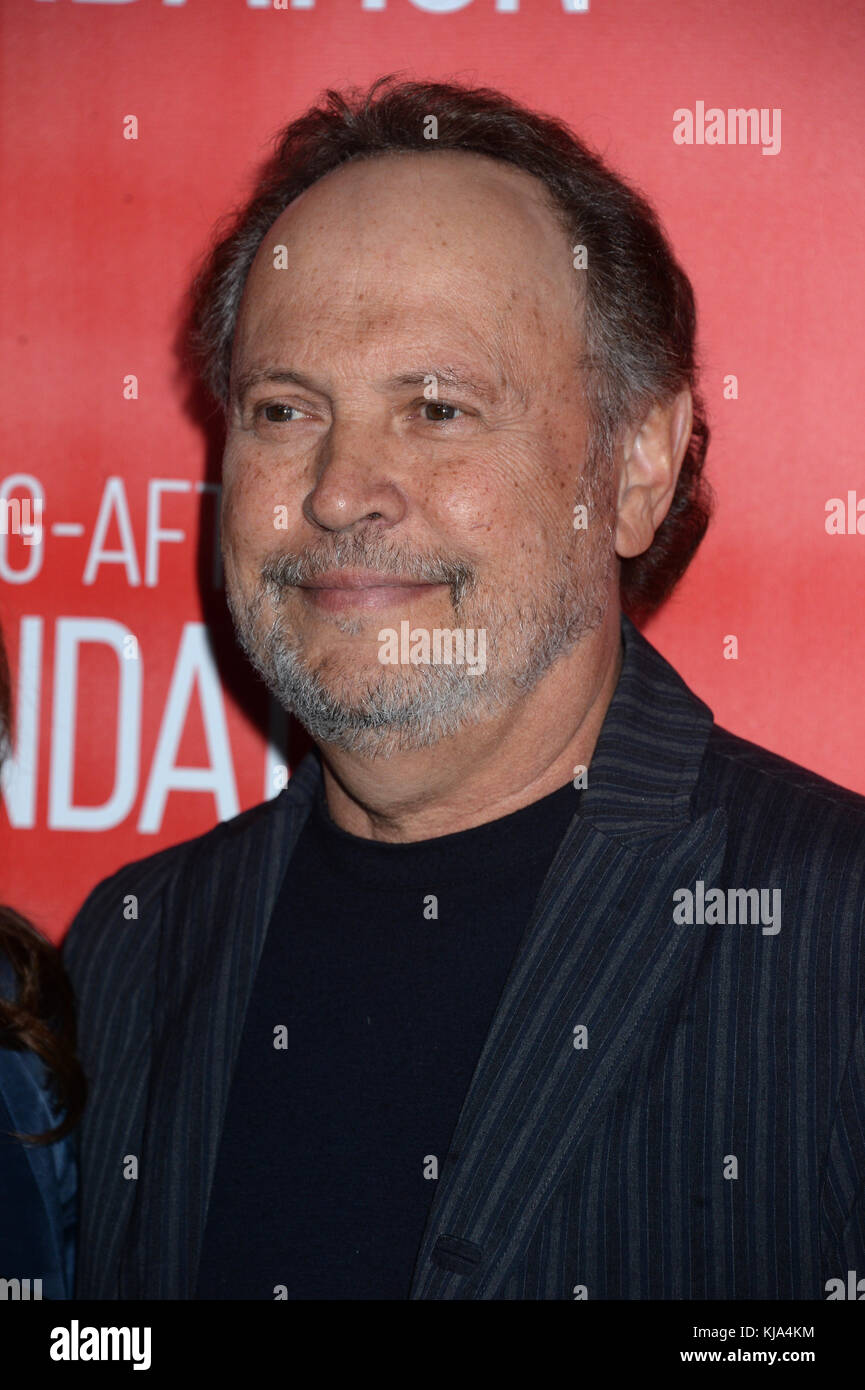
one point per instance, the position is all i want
(448, 377)
(255, 376)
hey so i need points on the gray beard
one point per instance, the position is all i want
(408, 708)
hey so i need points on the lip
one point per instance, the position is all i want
(362, 589)
(364, 579)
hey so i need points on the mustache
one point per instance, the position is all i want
(286, 569)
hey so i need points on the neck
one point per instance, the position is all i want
(484, 771)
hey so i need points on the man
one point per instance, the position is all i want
(533, 983)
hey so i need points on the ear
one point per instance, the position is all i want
(649, 471)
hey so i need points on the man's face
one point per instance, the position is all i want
(428, 449)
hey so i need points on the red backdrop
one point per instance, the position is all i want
(120, 751)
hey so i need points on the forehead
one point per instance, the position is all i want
(437, 233)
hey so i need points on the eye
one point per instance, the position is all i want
(441, 405)
(274, 413)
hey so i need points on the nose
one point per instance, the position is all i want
(355, 481)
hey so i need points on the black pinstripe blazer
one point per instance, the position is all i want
(707, 1141)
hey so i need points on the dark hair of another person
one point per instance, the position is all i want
(42, 1017)
(639, 315)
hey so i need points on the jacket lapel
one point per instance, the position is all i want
(601, 952)
(213, 925)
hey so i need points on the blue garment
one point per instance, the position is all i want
(38, 1183)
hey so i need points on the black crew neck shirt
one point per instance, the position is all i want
(379, 978)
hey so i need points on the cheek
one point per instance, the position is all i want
(519, 503)
(468, 509)
(482, 491)
(250, 498)
(494, 525)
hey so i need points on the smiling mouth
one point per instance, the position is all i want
(359, 589)
(373, 596)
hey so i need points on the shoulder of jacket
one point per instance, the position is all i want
(744, 770)
(147, 878)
